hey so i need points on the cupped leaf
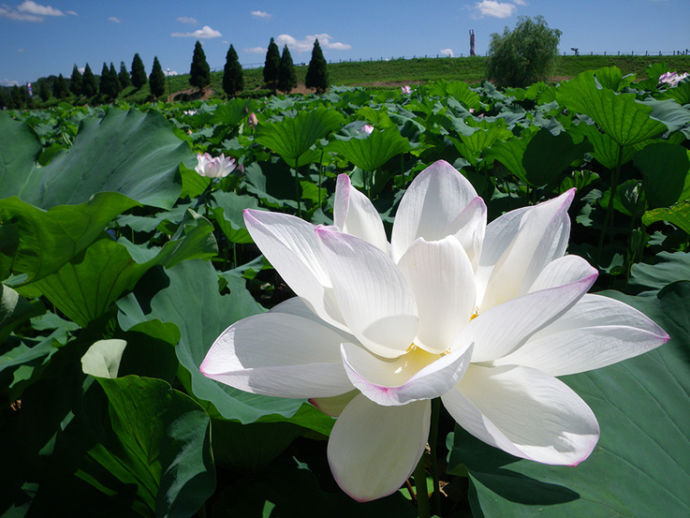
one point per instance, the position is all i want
(678, 214)
(547, 156)
(372, 152)
(103, 358)
(292, 137)
(133, 153)
(664, 168)
(620, 116)
(643, 453)
(19, 149)
(161, 441)
(46, 240)
(228, 215)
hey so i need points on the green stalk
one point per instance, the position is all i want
(608, 219)
(433, 445)
(423, 507)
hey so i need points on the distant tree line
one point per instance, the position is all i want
(85, 86)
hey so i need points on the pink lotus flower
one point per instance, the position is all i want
(252, 120)
(367, 128)
(672, 78)
(483, 316)
(214, 167)
(406, 90)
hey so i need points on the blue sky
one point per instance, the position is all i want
(44, 37)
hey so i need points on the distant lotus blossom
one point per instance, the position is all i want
(214, 167)
(189, 113)
(367, 128)
(406, 90)
(252, 120)
(672, 78)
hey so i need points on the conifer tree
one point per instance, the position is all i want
(104, 84)
(123, 76)
(60, 87)
(114, 79)
(272, 65)
(43, 89)
(89, 87)
(317, 73)
(138, 72)
(17, 97)
(233, 80)
(199, 73)
(75, 81)
(157, 79)
(287, 79)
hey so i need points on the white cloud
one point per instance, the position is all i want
(308, 42)
(9, 82)
(113, 19)
(71, 13)
(169, 72)
(187, 19)
(205, 33)
(447, 52)
(255, 50)
(12, 14)
(39, 10)
(260, 14)
(495, 9)
(519, 2)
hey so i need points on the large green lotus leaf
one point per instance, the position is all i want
(680, 93)
(371, 152)
(670, 112)
(620, 116)
(678, 214)
(86, 287)
(192, 302)
(231, 113)
(458, 90)
(664, 167)
(671, 267)
(547, 156)
(606, 150)
(273, 184)
(162, 442)
(46, 240)
(510, 153)
(640, 466)
(472, 146)
(19, 149)
(228, 215)
(133, 153)
(292, 137)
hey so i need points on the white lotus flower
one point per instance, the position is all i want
(482, 316)
(405, 90)
(214, 167)
(672, 78)
(367, 128)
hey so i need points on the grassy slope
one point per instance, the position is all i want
(421, 70)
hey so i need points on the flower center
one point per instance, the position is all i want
(414, 359)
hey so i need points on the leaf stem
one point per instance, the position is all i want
(423, 507)
(433, 445)
(608, 219)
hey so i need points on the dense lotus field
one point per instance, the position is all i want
(122, 264)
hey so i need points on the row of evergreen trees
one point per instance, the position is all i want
(278, 74)
(279, 71)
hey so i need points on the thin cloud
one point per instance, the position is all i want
(71, 13)
(9, 82)
(447, 52)
(520, 2)
(113, 19)
(260, 14)
(39, 10)
(255, 50)
(205, 33)
(496, 9)
(13, 14)
(187, 19)
(325, 40)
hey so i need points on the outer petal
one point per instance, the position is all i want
(524, 412)
(519, 245)
(441, 277)
(354, 214)
(373, 449)
(469, 228)
(293, 249)
(278, 354)
(595, 332)
(334, 405)
(373, 297)
(414, 376)
(503, 328)
(432, 202)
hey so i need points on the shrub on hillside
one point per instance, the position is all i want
(524, 55)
